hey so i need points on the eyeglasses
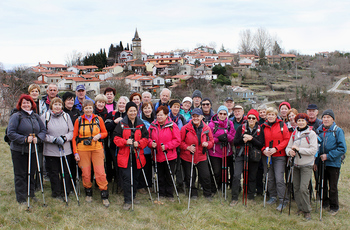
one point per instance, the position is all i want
(252, 118)
(223, 114)
(205, 104)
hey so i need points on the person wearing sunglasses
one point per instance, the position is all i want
(249, 136)
(208, 113)
(223, 133)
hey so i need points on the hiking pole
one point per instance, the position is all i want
(189, 192)
(29, 160)
(144, 175)
(171, 173)
(267, 172)
(245, 175)
(212, 173)
(70, 175)
(40, 173)
(131, 179)
(77, 178)
(225, 151)
(321, 197)
(63, 179)
(291, 164)
(155, 164)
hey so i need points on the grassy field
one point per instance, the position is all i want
(202, 214)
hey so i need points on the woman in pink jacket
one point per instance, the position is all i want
(196, 138)
(164, 136)
(223, 132)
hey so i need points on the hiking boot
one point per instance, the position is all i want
(194, 197)
(272, 200)
(126, 206)
(136, 201)
(105, 202)
(299, 212)
(233, 203)
(307, 216)
(88, 199)
(209, 198)
(281, 206)
(333, 212)
(171, 199)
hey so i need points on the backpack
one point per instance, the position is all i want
(307, 137)
(217, 127)
(97, 122)
(48, 117)
(13, 111)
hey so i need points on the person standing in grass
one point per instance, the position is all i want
(249, 135)
(276, 139)
(22, 125)
(131, 137)
(302, 146)
(332, 148)
(89, 129)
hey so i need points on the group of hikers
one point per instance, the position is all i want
(172, 146)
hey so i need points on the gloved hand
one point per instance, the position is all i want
(58, 141)
(223, 137)
(64, 138)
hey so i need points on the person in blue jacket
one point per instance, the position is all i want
(332, 147)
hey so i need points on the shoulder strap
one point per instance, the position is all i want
(47, 118)
(281, 126)
(244, 127)
(293, 134)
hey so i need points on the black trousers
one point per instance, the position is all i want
(126, 178)
(148, 171)
(166, 187)
(260, 178)
(216, 163)
(179, 174)
(203, 176)
(110, 162)
(20, 169)
(330, 187)
(239, 168)
(53, 166)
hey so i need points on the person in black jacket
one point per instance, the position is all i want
(248, 135)
(69, 107)
(112, 119)
(21, 125)
(100, 106)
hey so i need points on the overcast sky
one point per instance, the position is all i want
(39, 31)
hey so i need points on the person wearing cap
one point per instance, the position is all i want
(249, 135)
(80, 93)
(239, 117)
(185, 111)
(111, 103)
(165, 96)
(229, 103)
(197, 99)
(208, 113)
(89, 129)
(100, 106)
(283, 108)
(303, 141)
(130, 132)
(196, 138)
(312, 112)
(262, 113)
(332, 147)
(52, 92)
(223, 133)
(164, 136)
(276, 139)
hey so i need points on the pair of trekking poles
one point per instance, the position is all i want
(157, 176)
(40, 174)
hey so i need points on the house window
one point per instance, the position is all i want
(158, 81)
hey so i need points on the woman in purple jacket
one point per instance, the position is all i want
(223, 132)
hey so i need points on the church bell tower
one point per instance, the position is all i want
(136, 47)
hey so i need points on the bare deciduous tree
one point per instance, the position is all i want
(74, 58)
(262, 41)
(246, 41)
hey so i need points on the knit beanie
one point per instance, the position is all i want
(253, 112)
(329, 112)
(284, 103)
(197, 93)
(174, 101)
(129, 105)
(187, 99)
(222, 107)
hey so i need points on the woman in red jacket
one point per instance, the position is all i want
(130, 133)
(164, 131)
(276, 139)
(196, 139)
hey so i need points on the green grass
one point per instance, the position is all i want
(202, 214)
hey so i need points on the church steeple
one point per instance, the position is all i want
(136, 47)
